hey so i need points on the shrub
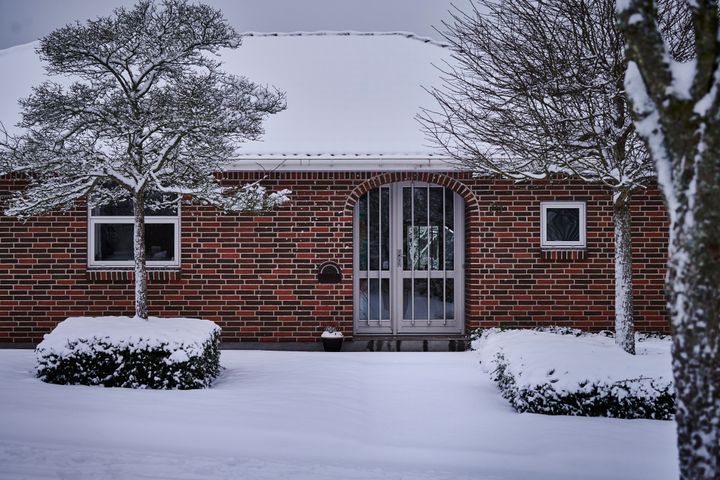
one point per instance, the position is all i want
(633, 398)
(566, 372)
(126, 352)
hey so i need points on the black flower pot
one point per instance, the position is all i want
(333, 344)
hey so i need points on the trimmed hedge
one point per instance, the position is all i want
(521, 380)
(133, 362)
(634, 398)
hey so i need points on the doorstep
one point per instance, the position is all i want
(364, 344)
(424, 343)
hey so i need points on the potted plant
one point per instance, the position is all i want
(332, 339)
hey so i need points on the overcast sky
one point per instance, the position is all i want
(23, 21)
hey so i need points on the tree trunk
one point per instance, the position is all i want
(139, 253)
(682, 132)
(694, 290)
(624, 320)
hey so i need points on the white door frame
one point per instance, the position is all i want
(396, 325)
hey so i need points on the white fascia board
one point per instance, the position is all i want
(342, 164)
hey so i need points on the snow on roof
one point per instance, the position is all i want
(349, 94)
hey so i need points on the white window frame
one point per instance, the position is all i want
(96, 220)
(545, 243)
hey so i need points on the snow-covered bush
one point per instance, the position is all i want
(579, 374)
(477, 334)
(159, 353)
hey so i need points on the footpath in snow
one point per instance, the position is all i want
(314, 415)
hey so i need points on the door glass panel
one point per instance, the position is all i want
(363, 231)
(363, 300)
(374, 212)
(374, 299)
(420, 232)
(415, 299)
(385, 228)
(407, 295)
(449, 230)
(449, 299)
(421, 298)
(416, 230)
(436, 227)
(437, 299)
(385, 299)
(407, 245)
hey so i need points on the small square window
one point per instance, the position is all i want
(562, 224)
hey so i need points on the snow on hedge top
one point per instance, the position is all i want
(536, 358)
(348, 93)
(74, 334)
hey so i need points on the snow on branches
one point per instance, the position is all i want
(536, 89)
(147, 113)
(149, 109)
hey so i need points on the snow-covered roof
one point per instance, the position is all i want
(349, 94)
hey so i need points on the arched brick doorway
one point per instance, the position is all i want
(409, 255)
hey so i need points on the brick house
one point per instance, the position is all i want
(423, 248)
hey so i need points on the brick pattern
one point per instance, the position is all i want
(256, 274)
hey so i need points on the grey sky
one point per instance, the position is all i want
(23, 21)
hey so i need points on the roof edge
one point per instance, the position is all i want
(373, 164)
(348, 33)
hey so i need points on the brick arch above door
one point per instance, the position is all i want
(472, 210)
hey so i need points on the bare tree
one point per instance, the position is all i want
(676, 107)
(150, 118)
(536, 91)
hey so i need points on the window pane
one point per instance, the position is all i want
(159, 242)
(114, 242)
(125, 208)
(168, 211)
(119, 209)
(563, 224)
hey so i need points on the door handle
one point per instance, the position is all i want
(399, 257)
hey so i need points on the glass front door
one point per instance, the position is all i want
(408, 260)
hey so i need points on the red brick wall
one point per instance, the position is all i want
(255, 275)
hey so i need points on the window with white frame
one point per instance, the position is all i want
(562, 224)
(110, 233)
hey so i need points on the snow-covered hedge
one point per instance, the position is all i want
(579, 374)
(159, 353)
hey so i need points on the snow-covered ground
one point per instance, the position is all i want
(313, 415)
